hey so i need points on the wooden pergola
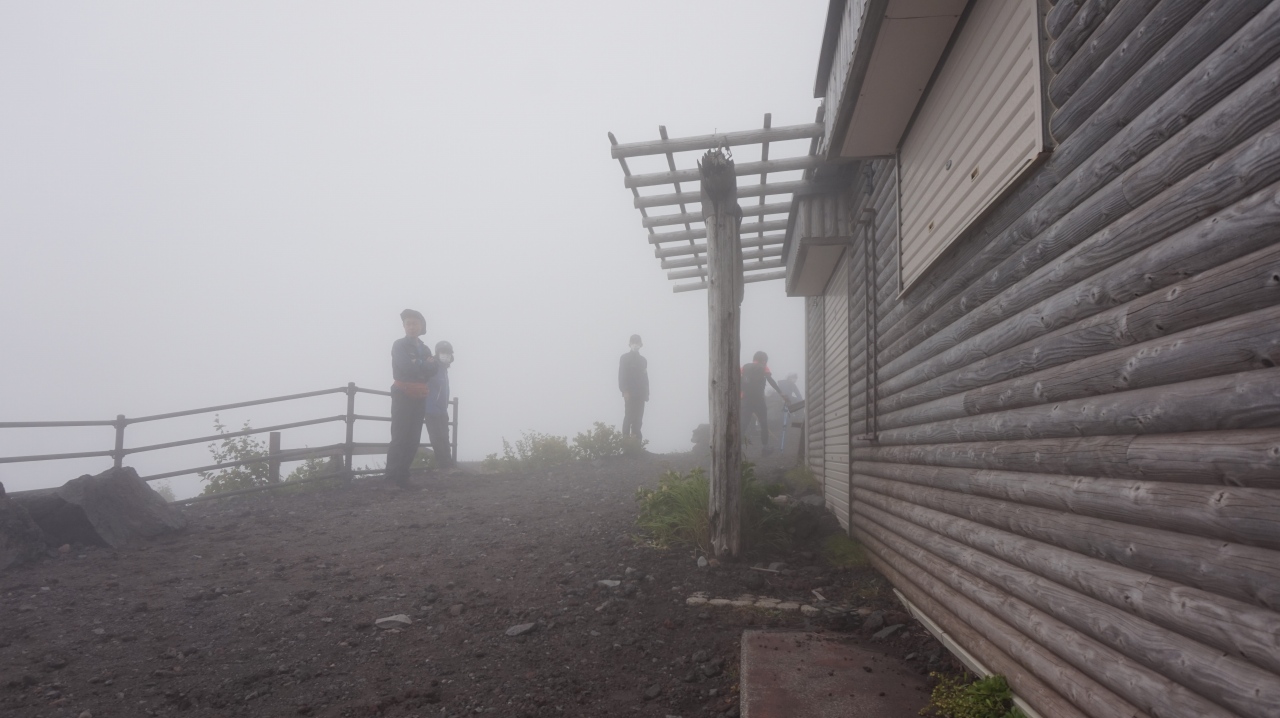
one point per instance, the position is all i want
(674, 229)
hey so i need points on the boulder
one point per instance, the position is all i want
(114, 508)
(21, 540)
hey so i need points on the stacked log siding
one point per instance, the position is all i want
(1062, 444)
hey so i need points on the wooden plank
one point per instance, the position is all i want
(796, 187)
(1134, 122)
(1249, 458)
(723, 139)
(789, 164)
(1158, 670)
(1241, 515)
(1077, 242)
(1028, 658)
(700, 259)
(1234, 627)
(1164, 50)
(1091, 14)
(1243, 343)
(766, 241)
(771, 225)
(1244, 573)
(1057, 19)
(1239, 286)
(1117, 28)
(760, 210)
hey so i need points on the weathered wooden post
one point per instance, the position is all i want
(273, 452)
(348, 457)
(117, 455)
(723, 217)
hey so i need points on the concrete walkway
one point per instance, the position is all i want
(822, 675)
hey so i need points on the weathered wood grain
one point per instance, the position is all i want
(1242, 515)
(1249, 458)
(1029, 657)
(1115, 29)
(1149, 65)
(1235, 627)
(1133, 657)
(1138, 209)
(1138, 118)
(1242, 343)
(1057, 19)
(1245, 573)
(1198, 269)
(1074, 35)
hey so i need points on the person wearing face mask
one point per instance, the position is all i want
(438, 408)
(412, 366)
(633, 382)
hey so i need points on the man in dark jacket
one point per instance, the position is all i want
(411, 366)
(754, 376)
(633, 382)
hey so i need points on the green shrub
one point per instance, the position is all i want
(533, 451)
(675, 513)
(236, 448)
(165, 489)
(602, 442)
(843, 552)
(803, 481)
(954, 697)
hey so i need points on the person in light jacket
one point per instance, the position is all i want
(438, 408)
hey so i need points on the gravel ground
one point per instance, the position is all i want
(269, 605)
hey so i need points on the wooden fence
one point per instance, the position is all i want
(347, 449)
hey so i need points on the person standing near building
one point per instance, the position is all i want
(754, 377)
(411, 367)
(633, 382)
(438, 408)
(789, 390)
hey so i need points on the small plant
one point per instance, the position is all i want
(675, 513)
(236, 448)
(165, 490)
(803, 481)
(533, 451)
(602, 442)
(955, 697)
(843, 552)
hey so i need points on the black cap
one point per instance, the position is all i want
(443, 347)
(635, 339)
(412, 314)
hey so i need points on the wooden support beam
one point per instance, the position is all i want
(771, 225)
(747, 279)
(760, 210)
(773, 251)
(702, 272)
(789, 164)
(765, 241)
(726, 139)
(796, 187)
(724, 304)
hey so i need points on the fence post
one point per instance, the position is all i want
(453, 442)
(273, 450)
(351, 429)
(118, 454)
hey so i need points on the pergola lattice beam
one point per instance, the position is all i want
(726, 139)
(701, 233)
(790, 164)
(682, 251)
(755, 190)
(689, 217)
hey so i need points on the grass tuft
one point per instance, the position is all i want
(843, 552)
(954, 697)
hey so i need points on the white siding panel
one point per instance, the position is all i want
(836, 391)
(980, 129)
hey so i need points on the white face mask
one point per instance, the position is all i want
(635, 347)
(445, 358)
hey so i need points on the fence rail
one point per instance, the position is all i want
(348, 448)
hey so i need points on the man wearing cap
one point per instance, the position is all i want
(412, 366)
(633, 382)
(438, 408)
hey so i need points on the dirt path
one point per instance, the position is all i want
(266, 607)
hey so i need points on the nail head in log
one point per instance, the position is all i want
(723, 218)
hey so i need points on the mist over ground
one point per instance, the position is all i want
(219, 202)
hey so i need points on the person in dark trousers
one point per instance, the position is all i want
(754, 377)
(633, 382)
(411, 367)
(438, 408)
(791, 396)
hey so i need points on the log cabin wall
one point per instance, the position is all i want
(1075, 469)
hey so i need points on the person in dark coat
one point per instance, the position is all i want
(411, 367)
(633, 382)
(438, 408)
(754, 377)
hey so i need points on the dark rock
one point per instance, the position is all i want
(21, 539)
(521, 629)
(753, 580)
(652, 692)
(114, 508)
(873, 623)
(884, 633)
(700, 657)
(713, 667)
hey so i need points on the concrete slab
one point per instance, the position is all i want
(821, 675)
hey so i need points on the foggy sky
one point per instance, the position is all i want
(204, 203)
